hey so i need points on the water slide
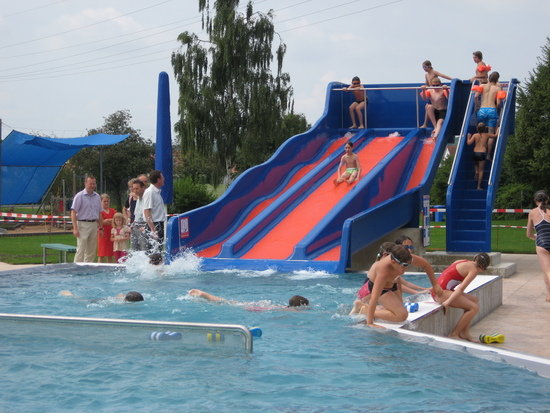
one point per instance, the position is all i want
(287, 215)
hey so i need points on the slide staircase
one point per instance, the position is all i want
(469, 210)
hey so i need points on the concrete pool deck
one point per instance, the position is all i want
(523, 316)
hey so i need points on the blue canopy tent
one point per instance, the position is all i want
(30, 163)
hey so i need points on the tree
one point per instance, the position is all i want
(438, 192)
(230, 103)
(528, 150)
(121, 162)
(189, 195)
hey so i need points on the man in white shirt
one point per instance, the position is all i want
(138, 239)
(154, 212)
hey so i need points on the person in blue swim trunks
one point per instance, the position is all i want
(352, 164)
(491, 98)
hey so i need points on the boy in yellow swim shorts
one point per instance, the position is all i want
(353, 167)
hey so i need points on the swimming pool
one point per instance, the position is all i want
(309, 360)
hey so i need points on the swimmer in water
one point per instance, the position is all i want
(295, 302)
(156, 258)
(131, 297)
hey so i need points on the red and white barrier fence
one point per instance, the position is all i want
(48, 217)
(8, 217)
(492, 226)
(495, 211)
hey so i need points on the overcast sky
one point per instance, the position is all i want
(68, 64)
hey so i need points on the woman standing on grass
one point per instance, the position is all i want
(539, 221)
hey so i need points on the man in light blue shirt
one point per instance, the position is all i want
(86, 218)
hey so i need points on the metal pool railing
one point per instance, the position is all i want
(133, 332)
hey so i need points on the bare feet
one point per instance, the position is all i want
(467, 338)
(357, 306)
(354, 126)
(361, 127)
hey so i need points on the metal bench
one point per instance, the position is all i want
(62, 248)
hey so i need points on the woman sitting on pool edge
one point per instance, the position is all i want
(454, 281)
(293, 303)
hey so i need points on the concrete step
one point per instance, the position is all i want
(430, 318)
(440, 260)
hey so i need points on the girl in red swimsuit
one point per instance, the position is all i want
(454, 281)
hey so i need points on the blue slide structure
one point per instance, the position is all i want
(469, 211)
(287, 215)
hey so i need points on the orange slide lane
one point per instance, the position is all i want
(421, 164)
(215, 249)
(416, 177)
(280, 241)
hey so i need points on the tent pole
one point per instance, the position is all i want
(0, 165)
(101, 169)
(64, 207)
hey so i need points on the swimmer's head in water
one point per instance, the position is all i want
(133, 296)
(155, 258)
(298, 301)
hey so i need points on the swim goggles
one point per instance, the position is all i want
(404, 264)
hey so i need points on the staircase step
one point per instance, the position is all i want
(471, 224)
(475, 246)
(469, 235)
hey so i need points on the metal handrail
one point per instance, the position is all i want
(465, 122)
(499, 135)
(206, 327)
(392, 88)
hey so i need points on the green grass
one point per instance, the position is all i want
(506, 240)
(27, 250)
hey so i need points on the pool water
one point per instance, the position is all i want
(309, 360)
